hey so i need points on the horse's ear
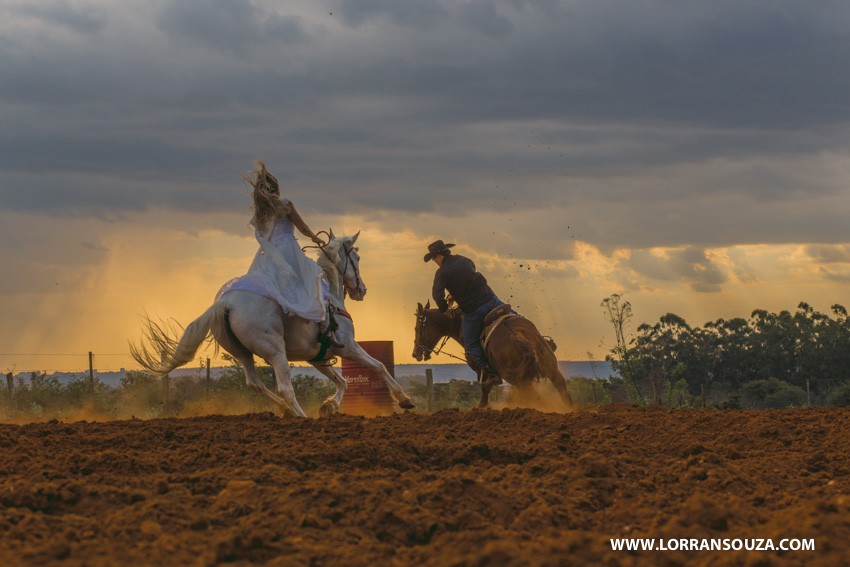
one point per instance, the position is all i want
(331, 234)
(428, 304)
(354, 238)
(418, 308)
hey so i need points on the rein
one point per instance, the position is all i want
(438, 351)
(446, 338)
(345, 287)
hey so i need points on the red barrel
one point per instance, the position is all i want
(367, 393)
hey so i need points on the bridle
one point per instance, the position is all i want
(348, 260)
(343, 248)
(420, 327)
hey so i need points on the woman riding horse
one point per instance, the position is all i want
(275, 310)
(280, 270)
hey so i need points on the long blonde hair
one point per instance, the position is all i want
(268, 205)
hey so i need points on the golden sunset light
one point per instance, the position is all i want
(424, 282)
(171, 266)
(664, 173)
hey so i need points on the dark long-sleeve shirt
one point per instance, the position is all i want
(468, 287)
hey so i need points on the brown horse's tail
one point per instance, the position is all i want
(514, 354)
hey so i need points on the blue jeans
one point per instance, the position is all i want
(471, 326)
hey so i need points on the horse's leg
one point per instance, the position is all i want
(226, 337)
(270, 347)
(254, 382)
(497, 364)
(355, 352)
(283, 377)
(332, 403)
(560, 384)
(256, 326)
(486, 386)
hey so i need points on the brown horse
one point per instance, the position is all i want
(517, 351)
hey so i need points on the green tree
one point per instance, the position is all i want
(805, 351)
(618, 312)
(840, 396)
(772, 393)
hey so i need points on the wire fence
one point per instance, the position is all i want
(202, 390)
(112, 385)
(49, 363)
(136, 394)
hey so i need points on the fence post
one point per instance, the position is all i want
(594, 393)
(429, 385)
(208, 378)
(10, 381)
(808, 394)
(91, 376)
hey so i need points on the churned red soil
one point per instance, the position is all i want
(494, 487)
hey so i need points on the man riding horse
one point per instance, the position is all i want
(469, 289)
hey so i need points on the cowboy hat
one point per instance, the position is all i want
(436, 248)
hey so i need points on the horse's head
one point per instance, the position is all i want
(347, 261)
(427, 331)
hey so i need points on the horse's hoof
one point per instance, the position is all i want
(406, 404)
(327, 409)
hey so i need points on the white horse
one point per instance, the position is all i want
(246, 323)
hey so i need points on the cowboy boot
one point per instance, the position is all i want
(329, 336)
(488, 375)
(328, 330)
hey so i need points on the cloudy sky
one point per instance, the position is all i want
(692, 155)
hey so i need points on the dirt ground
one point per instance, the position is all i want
(494, 487)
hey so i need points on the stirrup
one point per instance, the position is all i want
(332, 340)
(328, 337)
(329, 332)
(489, 377)
(486, 373)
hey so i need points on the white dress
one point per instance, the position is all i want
(282, 272)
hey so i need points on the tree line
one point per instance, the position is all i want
(767, 360)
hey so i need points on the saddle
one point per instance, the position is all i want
(494, 314)
(493, 319)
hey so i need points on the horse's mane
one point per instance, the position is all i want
(450, 313)
(327, 261)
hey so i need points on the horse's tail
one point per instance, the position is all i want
(525, 363)
(160, 352)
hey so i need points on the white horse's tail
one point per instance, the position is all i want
(160, 352)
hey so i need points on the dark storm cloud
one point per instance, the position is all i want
(227, 25)
(826, 254)
(690, 265)
(420, 13)
(78, 16)
(481, 15)
(639, 118)
(773, 65)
